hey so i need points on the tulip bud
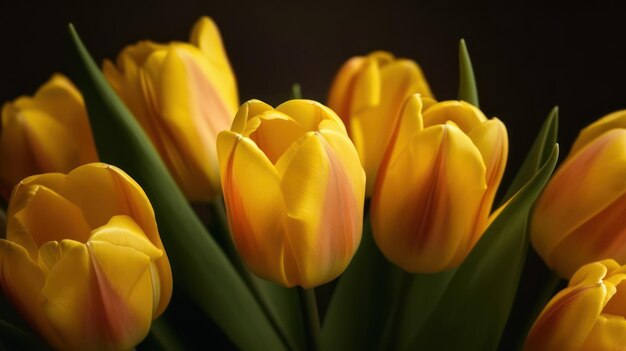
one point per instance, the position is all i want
(83, 261)
(294, 191)
(587, 315)
(183, 95)
(436, 184)
(368, 93)
(48, 132)
(579, 217)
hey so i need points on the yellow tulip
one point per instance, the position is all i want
(579, 217)
(587, 315)
(183, 95)
(82, 259)
(368, 93)
(48, 132)
(294, 191)
(436, 185)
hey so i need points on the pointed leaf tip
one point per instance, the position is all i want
(467, 82)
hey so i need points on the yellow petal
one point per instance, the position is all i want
(47, 216)
(609, 333)
(309, 114)
(22, 280)
(611, 121)
(492, 141)
(206, 36)
(371, 129)
(324, 212)
(342, 89)
(418, 195)
(586, 185)
(248, 110)
(99, 296)
(254, 204)
(569, 317)
(466, 116)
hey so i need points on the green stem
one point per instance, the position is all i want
(219, 213)
(389, 341)
(310, 314)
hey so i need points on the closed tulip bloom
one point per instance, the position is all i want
(579, 217)
(436, 185)
(587, 315)
(368, 93)
(183, 95)
(83, 261)
(294, 191)
(48, 132)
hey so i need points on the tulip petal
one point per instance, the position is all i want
(594, 177)
(608, 333)
(569, 317)
(492, 141)
(322, 226)
(247, 111)
(47, 216)
(342, 89)
(611, 121)
(465, 115)
(22, 280)
(245, 170)
(309, 114)
(99, 295)
(371, 129)
(206, 36)
(409, 216)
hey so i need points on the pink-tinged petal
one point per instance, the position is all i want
(98, 296)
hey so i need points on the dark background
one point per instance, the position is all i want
(526, 60)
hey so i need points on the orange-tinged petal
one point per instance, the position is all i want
(342, 88)
(410, 216)
(611, 121)
(255, 216)
(586, 185)
(569, 317)
(608, 333)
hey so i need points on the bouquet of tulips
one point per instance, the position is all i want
(147, 209)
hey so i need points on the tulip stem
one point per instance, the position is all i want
(310, 314)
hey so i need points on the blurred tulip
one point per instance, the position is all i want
(183, 95)
(82, 259)
(579, 217)
(436, 184)
(48, 132)
(587, 315)
(368, 93)
(294, 191)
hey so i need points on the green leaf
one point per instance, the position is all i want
(362, 300)
(484, 286)
(200, 269)
(539, 153)
(467, 83)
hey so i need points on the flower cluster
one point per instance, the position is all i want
(384, 177)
